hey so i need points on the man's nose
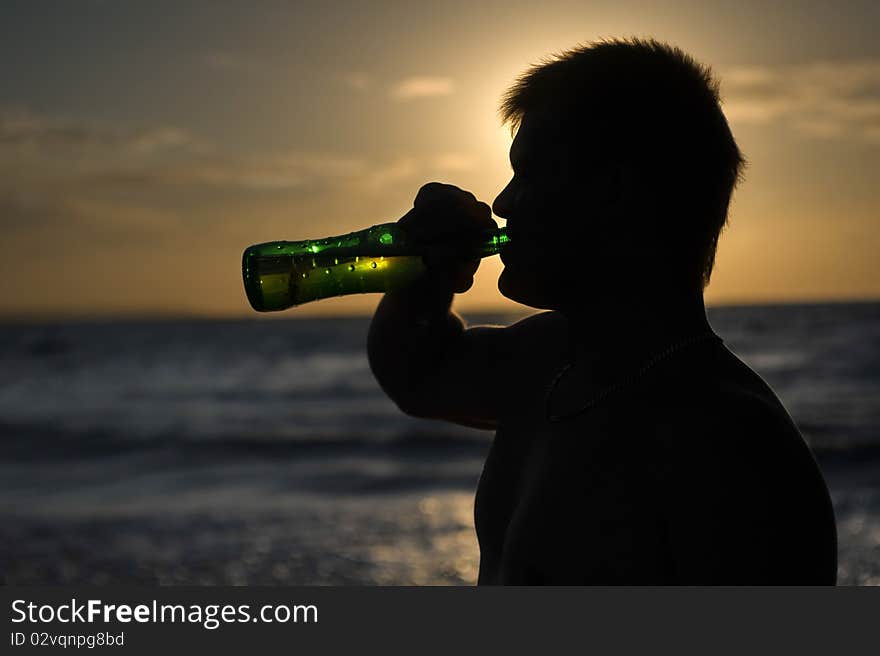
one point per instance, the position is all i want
(501, 204)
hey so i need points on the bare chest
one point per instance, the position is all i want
(562, 500)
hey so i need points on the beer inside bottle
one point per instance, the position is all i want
(282, 274)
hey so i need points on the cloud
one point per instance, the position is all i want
(25, 134)
(225, 61)
(27, 208)
(88, 181)
(81, 219)
(81, 155)
(270, 172)
(357, 80)
(415, 87)
(824, 100)
(92, 154)
(454, 162)
(383, 176)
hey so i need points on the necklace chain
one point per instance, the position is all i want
(602, 394)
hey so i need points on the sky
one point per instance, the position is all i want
(144, 145)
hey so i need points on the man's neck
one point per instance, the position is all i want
(621, 333)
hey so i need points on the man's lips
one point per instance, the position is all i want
(519, 232)
(517, 239)
(522, 238)
(523, 244)
(512, 250)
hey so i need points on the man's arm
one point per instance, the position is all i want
(435, 367)
(420, 351)
(431, 364)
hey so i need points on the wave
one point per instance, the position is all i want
(26, 444)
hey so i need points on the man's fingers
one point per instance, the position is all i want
(408, 218)
(438, 193)
(441, 211)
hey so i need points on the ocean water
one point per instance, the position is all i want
(258, 451)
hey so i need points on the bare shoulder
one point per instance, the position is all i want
(734, 439)
(526, 353)
(542, 329)
(722, 420)
(743, 496)
(534, 347)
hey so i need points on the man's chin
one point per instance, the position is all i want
(507, 289)
(523, 294)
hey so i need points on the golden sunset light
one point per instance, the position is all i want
(302, 294)
(142, 149)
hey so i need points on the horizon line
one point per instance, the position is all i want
(38, 318)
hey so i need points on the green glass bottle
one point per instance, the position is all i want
(282, 274)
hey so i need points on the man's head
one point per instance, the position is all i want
(623, 170)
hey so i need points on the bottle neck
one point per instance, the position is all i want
(487, 243)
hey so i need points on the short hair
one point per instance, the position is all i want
(660, 111)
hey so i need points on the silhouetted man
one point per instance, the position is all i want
(631, 446)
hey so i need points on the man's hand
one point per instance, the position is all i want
(444, 211)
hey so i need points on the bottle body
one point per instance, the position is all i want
(282, 274)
